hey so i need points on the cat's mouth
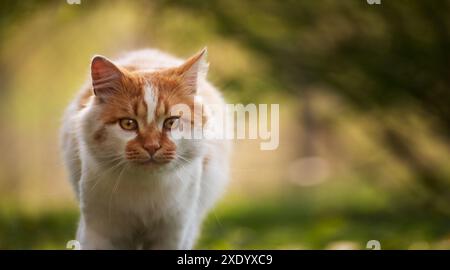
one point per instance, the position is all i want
(149, 162)
(145, 162)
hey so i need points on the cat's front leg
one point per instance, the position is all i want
(190, 235)
(90, 238)
(171, 233)
(166, 237)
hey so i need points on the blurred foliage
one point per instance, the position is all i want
(365, 122)
(378, 58)
(389, 55)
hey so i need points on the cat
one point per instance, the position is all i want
(138, 186)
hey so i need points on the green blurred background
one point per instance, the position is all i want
(364, 94)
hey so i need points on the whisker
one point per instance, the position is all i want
(100, 177)
(116, 186)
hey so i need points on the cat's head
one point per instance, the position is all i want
(133, 113)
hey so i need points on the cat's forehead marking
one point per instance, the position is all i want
(151, 99)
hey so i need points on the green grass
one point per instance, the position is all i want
(283, 222)
(290, 223)
(48, 230)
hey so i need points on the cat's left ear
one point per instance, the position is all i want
(193, 69)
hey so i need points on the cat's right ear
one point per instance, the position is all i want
(106, 77)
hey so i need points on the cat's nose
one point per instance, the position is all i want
(152, 147)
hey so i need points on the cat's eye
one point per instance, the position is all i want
(128, 124)
(171, 122)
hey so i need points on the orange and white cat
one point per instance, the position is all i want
(138, 186)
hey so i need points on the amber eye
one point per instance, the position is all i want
(128, 124)
(171, 122)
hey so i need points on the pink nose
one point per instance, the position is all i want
(152, 147)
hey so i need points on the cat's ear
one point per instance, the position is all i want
(106, 77)
(194, 69)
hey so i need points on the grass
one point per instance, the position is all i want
(289, 223)
(48, 230)
(282, 222)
